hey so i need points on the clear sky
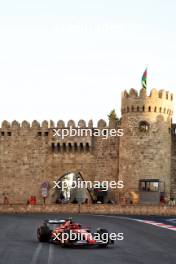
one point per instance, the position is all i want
(65, 59)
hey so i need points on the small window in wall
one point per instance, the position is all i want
(2, 133)
(81, 147)
(69, 147)
(75, 146)
(64, 147)
(150, 185)
(39, 133)
(52, 146)
(58, 147)
(87, 146)
(9, 134)
(144, 126)
(46, 134)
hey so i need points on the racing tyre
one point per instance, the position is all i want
(103, 234)
(43, 234)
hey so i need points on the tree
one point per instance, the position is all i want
(113, 116)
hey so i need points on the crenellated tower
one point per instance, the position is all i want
(145, 148)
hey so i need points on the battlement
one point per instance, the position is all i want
(45, 125)
(133, 93)
(157, 101)
(56, 135)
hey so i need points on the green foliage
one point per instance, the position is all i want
(113, 115)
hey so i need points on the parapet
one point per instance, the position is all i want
(81, 123)
(46, 125)
(25, 124)
(15, 124)
(154, 93)
(5, 124)
(35, 124)
(157, 101)
(71, 123)
(101, 124)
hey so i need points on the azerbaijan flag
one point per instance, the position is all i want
(144, 79)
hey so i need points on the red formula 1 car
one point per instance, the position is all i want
(69, 233)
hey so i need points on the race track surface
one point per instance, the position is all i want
(142, 243)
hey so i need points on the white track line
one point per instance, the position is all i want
(158, 224)
(50, 254)
(36, 254)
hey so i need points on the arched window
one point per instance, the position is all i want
(132, 108)
(81, 147)
(64, 147)
(143, 108)
(87, 147)
(52, 146)
(75, 146)
(144, 126)
(69, 147)
(137, 108)
(155, 109)
(149, 109)
(58, 147)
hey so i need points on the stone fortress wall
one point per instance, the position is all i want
(173, 161)
(30, 155)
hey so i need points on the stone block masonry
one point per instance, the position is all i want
(31, 155)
